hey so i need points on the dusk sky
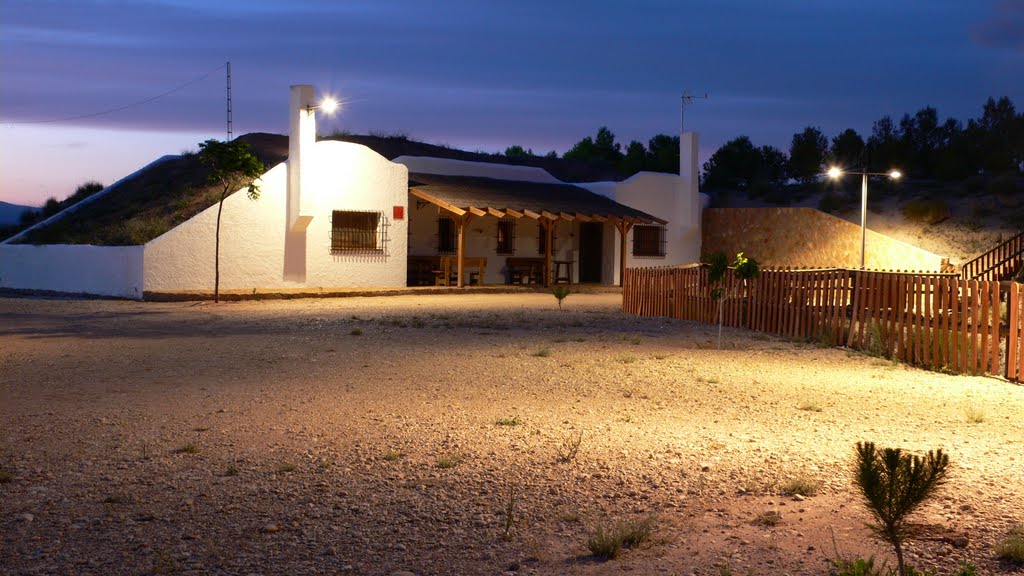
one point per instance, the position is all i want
(477, 74)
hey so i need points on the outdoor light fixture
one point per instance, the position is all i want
(328, 105)
(835, 173)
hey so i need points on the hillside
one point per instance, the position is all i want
(958, 221)
(11, 213)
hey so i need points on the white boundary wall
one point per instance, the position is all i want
(99, 270)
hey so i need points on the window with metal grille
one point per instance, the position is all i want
(506, 237)
(445, 235)
(649, 241)
(355, 231)
(542, 240)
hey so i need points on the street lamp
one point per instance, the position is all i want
(328, 105)
(835, 173)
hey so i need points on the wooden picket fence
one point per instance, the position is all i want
(928, 319)
(1015, 338)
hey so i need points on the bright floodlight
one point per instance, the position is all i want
(329, 105)
(895, 174)
(834, 172)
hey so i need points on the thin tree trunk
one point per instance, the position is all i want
(216, 251)
(899, 558)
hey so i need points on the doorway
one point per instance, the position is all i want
(591, 255)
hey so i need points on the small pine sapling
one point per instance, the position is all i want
(560, 291)
(894, 486)
(744, 269)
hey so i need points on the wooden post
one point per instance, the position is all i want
(461, 248)
(623, 227)
(548, 226)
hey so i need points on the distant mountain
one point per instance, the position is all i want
(10, 213)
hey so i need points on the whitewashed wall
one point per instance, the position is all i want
(98, 270)
(337, 176)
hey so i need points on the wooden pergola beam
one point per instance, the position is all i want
(548, 215)
(495, 213)
(531, 214)
(513, 213)
(476, 211)
(566, 216)
(437, 201)
(583, 217)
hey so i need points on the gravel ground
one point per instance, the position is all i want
(385, 435)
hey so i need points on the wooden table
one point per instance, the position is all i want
(448, 274)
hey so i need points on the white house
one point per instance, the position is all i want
(339, 215)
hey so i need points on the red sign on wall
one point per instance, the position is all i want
(399, 213)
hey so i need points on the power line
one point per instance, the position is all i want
(126, 106)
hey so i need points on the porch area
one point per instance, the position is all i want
(476, 231)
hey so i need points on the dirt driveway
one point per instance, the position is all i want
(381, 435)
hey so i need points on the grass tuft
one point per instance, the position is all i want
(570, 447)
(974, 414)
(809, 406)
(446, 462)
(393, 456)
(189, 448)
(356, 332)
(607, 541)
(801, 485)
(769, 518)
(287, 468)
(513, 421)
(543, 353)
(1011, 547)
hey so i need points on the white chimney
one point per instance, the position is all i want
(301, 139)
(688, 202)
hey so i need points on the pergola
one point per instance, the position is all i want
(466, 197)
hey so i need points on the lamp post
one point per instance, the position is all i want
(835, 173)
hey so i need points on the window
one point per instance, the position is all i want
(506, 237)
(445, 235)
(649, 241)
(353, 231)
(542, 240)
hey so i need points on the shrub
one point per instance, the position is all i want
(894, 486)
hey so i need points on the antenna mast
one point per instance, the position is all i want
(687, 99)
(230, 128)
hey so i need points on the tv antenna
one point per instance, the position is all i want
(687, 99)
(230, 128)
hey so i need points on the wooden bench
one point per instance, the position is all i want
(524, 270)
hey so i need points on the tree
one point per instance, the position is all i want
(602, 148)
(807, 154)
(772, 168)
(663, 154)
(635, 159)
(517, 151)
(894, 485)
(231, 166)
(998, 137)
(847, 149)
(733, 166)
(884, 147)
